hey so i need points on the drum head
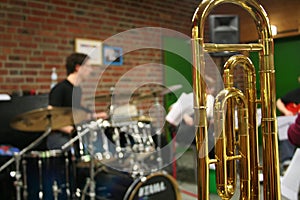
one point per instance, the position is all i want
(157, 186)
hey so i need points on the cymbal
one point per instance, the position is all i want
(38, 120)
(159, 90)
(142, 118)
(109, 97)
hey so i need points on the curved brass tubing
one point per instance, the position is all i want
(227, 143)
(268, 97)
(250, 95)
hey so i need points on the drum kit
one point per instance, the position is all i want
(106, 159)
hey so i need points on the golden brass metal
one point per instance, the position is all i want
(227, 102)
(225, 149)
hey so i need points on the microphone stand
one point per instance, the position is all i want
(17, 157)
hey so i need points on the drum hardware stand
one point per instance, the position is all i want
(90, 182)
(138, 138)
(112, 107)
(116, 138)
(158, 133)
(55, 190)
(106, 153)
(128, 147)
(17, 158)
(25, 193)
(147, 137)
(63, 148)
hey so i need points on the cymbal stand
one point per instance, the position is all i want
(80, 134)
(17, 158)
(112, 107)
(106, 154)
(90, 182)
(136, 148)
(92, 126)
(118, 148)
(25, 186)
(139, 147)
(146, 135)
(158, 131)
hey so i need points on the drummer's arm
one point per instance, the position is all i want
(281, 107)
(67, 129)
(101, 115)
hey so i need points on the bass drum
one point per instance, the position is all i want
(157, 186)
(115, 185)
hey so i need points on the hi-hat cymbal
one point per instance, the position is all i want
(57, 117)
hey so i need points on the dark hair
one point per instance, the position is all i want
(75, 59)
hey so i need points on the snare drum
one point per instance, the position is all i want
(48, 174)
(115, 185)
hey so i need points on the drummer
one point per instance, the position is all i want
(67, 93)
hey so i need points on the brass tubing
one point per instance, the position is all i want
(227, 144)
(201, 134)
(232, 47)
(250, 94)
(267, 90)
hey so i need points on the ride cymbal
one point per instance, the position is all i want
(56, 117)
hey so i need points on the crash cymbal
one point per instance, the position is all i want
(158, 91)
(38, 120)
(109, 97)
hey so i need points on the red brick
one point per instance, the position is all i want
(13, 65)
(36, 19)
(37, 59)
(51, 53)
(28, 44)
(22, 51)
(32, 65)
(39, 5)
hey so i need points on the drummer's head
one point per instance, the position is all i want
(75, 61)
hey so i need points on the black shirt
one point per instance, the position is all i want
(65, 94)
(291, 97)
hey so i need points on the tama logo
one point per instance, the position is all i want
(152, 189)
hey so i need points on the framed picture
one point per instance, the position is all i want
(93, 48)
(112, 55)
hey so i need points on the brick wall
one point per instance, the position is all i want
(37, 36)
